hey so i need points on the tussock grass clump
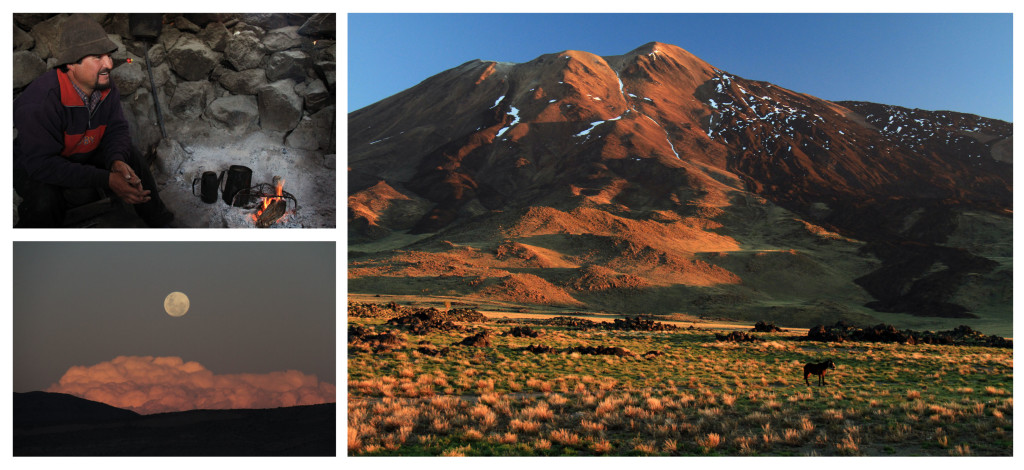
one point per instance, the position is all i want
(709, 441)
(565, 437)
(525, 426)
(601, 447)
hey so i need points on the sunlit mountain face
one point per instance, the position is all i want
(654, 182)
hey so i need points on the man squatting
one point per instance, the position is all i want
(71, 133)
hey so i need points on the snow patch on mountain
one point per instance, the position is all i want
(514, 112)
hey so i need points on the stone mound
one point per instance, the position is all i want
(737, 337)
(424, 321)
(391, 310)
(639, 324)
(820, 333)
(357, 332)
(962, 335)
(538, 349)
(762, 327)
(627, 324)
(364, 339)
(571, 323)
(479, 340)
(465, 315)
(600, 350)
(383, 311)
(522, 331)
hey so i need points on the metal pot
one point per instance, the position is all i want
(209, 186)
(239, 179)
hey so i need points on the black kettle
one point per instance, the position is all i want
(209, 187)
(239, 179)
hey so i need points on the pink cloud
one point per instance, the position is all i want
(147, 384)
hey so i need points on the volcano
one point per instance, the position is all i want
(654, 182)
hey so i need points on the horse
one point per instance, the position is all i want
(819, 370)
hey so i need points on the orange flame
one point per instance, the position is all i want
(265, 203)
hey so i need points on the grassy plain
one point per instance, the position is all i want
(698, 397)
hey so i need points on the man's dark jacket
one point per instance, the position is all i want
(56, 133)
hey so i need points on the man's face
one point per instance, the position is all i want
(92, 73)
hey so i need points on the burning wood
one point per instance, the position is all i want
(274, 210)
(272, 207)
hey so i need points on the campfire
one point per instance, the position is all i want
(271, 207)
(270, 201)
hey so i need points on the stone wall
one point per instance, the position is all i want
(215, 74)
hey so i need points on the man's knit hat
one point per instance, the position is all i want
(82, 36)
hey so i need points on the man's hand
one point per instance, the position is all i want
(126, 185)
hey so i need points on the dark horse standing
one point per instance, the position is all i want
(819, 370)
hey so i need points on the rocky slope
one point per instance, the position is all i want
(655, 182)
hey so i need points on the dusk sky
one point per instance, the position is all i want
(256, 308)
(957, 62)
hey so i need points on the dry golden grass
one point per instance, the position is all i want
(540, 412)
(645, 448)
(848, 445)
(496, 401)
(506, 438)
(456, 452)
(525, 427)
(565, 437)
(592, 427)
(709, 441)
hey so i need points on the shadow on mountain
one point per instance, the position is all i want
(55, 424)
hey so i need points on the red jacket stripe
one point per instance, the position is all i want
(82, 143)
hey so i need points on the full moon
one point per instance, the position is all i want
(176, 304)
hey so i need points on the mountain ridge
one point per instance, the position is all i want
(658, 135)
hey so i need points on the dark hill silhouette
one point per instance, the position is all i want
(32, 409)
(716, 193)
(54, 424)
